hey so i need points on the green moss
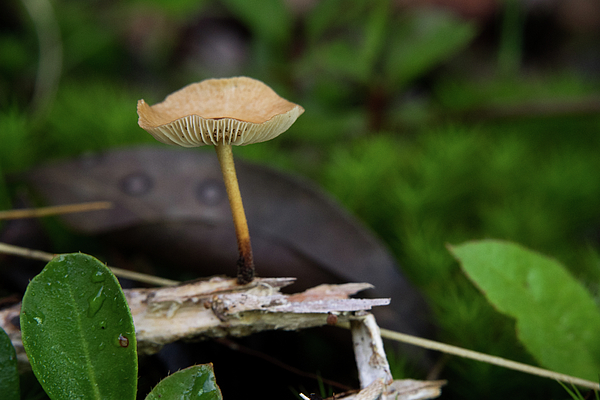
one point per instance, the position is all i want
(92, 116)
(17, 149)
(457, 183)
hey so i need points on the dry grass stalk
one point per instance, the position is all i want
(54, 210)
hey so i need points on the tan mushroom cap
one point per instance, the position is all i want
(235, 111)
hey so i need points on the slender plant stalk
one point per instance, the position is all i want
(474, 355)
(55, 210)
(6, 248)
(245, 273)
(486, 358)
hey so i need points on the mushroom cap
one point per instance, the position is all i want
(236, 111)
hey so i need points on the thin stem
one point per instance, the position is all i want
(245, 273)
(486, 358)
(54, 210)
(6, 248)
(474, 355)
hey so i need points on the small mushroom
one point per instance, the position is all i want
(222, 112)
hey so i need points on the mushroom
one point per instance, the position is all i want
(222, 112)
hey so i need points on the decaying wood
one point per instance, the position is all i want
(374, 391)
(369, 353)
(410, 389)
(404, 389)
(218, 307)
(374, 370)
(376, 380)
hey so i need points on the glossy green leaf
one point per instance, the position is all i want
(557, 320)
(78, 332)
(9, 375)
(193, 383)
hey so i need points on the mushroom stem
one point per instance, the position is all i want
(245, 272)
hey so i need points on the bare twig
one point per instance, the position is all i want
(6, 248)
(369, 353)
(474, 355)
(54, 210)
(376, 380)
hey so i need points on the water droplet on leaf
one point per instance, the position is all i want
(98, 277)
(96, 301)
(38, 317)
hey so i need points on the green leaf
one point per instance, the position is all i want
(9, 374)
(356, 53)
(422, 40)
(375, 32)
(556, 318)
(78, 332)
(193, 383)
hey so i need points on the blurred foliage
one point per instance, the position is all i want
(411, 122)
(107, 123)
